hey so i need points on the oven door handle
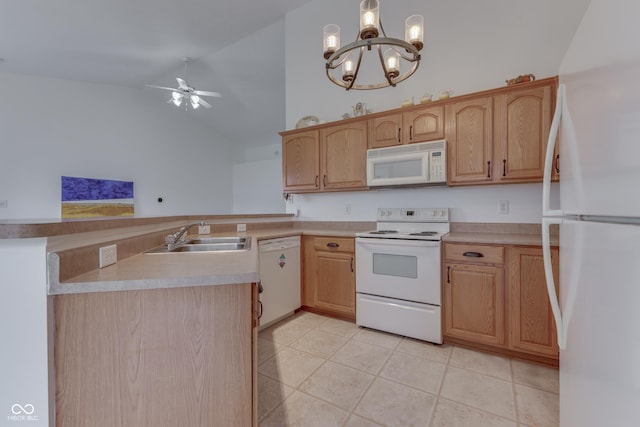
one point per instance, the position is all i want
(368, 242)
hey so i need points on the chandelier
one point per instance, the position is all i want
(343, 63)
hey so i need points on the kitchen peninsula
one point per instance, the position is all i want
(160, 337)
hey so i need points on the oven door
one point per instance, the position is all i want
(403, 269)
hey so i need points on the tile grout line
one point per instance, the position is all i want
(513, 392)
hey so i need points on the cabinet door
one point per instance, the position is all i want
(474, 303)
(385, 131)
(336, 284)
(425, 124)
(343, 154)
(300, 161)
(469, 134)
(532, 328)
(524, 121)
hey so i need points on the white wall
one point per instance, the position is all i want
(54, 127)
(257, 183)
(469, 46)
(467, 204)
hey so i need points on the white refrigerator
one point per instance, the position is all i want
(598, 311)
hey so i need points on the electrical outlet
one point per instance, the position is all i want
(4, 204)
(503, 207)
(241, 227)
(204, 229)
(347, 209)
(108, 255)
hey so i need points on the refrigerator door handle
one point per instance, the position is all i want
(551, 285)
(548, 161)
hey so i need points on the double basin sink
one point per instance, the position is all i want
(207, 244)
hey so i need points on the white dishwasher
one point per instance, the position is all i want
(280, 278)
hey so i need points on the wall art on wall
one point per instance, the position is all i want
(91, 198)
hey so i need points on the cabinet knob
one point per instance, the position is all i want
(448, 274)
(556, 164)
(504, 167)
(333, 245)
(399, 135)
(489, 169)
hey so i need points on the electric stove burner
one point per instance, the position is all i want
(424, 233)
(383, 232)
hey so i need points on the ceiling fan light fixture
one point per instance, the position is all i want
(176, 98)
(195, 101)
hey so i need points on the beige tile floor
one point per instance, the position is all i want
(319, 371)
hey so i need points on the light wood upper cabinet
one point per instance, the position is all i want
(469, 135)
(493, 137)
(424, 124)
(301, 161)
(532, 327)
(385, 131)
(416, 125)
(343, 151)
(523, 120)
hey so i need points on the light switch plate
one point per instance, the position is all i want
(503, 207)
(204, 229)
(241, 227)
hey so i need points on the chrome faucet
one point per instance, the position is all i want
(174, 240)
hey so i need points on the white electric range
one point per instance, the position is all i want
(398, 273)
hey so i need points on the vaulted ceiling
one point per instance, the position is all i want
(136, 42)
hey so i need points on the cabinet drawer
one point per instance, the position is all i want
(334, 244)
(474, 253)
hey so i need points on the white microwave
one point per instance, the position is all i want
(424, 163)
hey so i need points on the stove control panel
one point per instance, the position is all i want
(414, 215)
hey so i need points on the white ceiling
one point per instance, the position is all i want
(124, 42)
(136, 42)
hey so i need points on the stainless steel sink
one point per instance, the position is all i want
(218, 240)
(207, 244)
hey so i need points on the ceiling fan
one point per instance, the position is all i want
(186, 93)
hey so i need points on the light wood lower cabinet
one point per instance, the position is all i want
(495, 296)
(474, 297)
(329, 284)
(160, 357)
(532, 327)
(474, 293)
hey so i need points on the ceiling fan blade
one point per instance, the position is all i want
(207, 93)
(204, 103)
(162, 87)
(183, 85)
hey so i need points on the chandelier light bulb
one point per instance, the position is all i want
(347, 70)
(414, 31)
(369, 19)
(331, 39)
(392, 62)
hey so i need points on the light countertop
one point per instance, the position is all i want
(167, 270)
